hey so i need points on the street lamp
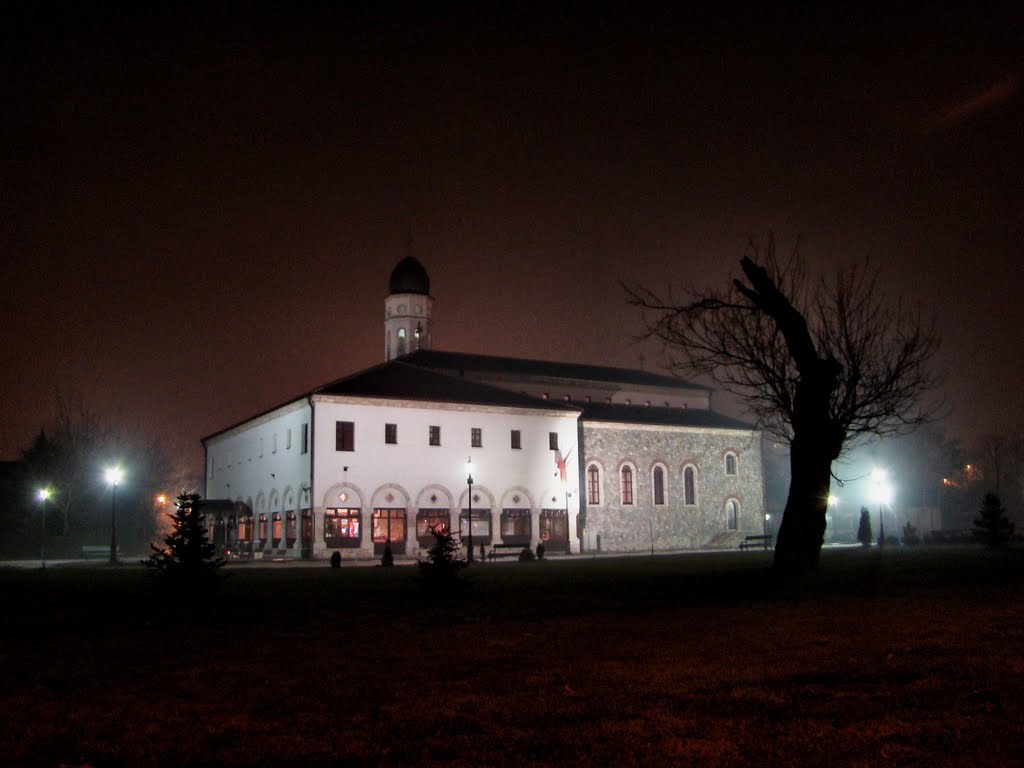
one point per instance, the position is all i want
(42, 494)
(882, 492)
(469, 482)
(113, 475)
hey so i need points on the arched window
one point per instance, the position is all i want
(627, 485)
(658, 483)
(732, 515)
(593, 484)
(689, 486)
(401, 342)
(730, 463)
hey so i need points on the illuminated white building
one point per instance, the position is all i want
(381, 456)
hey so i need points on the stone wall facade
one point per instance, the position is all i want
(614, 525)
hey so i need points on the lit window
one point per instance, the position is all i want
(476, 437)
(276, 533)
(263, 526)
(435, 435)
(428, 520)
(659, 485)
(627, 485)
(515, 526)
(517, 440)
(342, 528)
(391, 434)
(593, 485)
(389, 530)
(345, 436)
(481, 525)
(291, 531)
(401, 341)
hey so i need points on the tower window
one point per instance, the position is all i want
(517, 439)
(476, 437)
(553, 441)
(391, 434)
(435, 435)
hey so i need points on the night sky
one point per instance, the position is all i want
(199, 213)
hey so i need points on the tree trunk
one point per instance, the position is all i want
(802, 531)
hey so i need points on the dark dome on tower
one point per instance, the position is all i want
(409, 276)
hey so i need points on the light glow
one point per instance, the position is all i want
(881, 490)
(43, 494)
(114, 475)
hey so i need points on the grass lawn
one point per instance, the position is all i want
(699, 659)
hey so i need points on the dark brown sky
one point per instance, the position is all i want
(200, 212)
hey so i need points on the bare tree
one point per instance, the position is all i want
(820, 363)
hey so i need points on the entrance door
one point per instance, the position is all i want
(554, 529)
(389, 527)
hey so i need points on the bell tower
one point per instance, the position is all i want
(408, 310)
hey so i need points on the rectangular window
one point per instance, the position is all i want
(476, 438)
(593, 485)
(389, 530)
(273, 445)
(288, 439)
(553, 441)
(428, 520)
(517, 440)
(391, 434)
(515, 526)
(481, 525)
(342, 528)
(305, 438)
(435, 435)
(345, 436)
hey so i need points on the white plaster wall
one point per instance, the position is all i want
(412, 470)
(242, 464)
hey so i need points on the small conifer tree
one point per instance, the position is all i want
(443, 563)
(188, 559)
(992, 527)
(864, 529)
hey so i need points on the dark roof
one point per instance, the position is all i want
(409, 276)
(455, 363)
(645, 414)
(398, 379)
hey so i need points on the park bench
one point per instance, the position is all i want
(97, 551)
(505, 550)
(755, 542)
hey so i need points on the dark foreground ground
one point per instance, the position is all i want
(692, 660)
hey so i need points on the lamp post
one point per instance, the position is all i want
(568, 541)
(42, 494)
(469, 482)
(113, 476)
(883, 496)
